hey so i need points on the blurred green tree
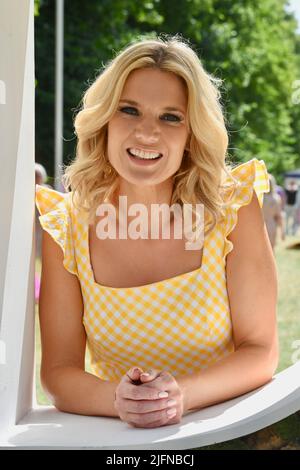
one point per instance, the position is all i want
(252, 45)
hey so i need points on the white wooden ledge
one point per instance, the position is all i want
(45, 427)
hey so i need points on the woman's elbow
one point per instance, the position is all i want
(271, 361)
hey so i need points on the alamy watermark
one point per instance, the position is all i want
(2, 353)
(182, 223)
(296, 354)
(296, 93)
(2, 92)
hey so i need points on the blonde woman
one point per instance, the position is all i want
(169, 329)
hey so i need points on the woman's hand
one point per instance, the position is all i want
(156, 401)
(175, 388)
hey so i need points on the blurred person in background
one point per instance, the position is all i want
(281, 193)
(272, 211)
(297, 212)
(292, 202)
(40, 174)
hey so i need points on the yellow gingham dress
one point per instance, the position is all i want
(179, 324)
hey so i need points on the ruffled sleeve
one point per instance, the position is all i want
(56, 219)
(250, 176)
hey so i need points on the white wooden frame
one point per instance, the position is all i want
(24, 424)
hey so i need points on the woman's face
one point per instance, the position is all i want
(151, 119)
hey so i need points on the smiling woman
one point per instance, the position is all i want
(177, 323)
(151, 134)
(164, 325)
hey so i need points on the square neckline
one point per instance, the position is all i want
(144, 286)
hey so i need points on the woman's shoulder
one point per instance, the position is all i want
(48, 199)
(249, 176)
(57, 218)
(251, 182)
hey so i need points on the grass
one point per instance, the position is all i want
(288, 315)
(288, 262)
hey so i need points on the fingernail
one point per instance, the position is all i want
(171, 412)
(171, 402)
(163, 394)
(145, 374)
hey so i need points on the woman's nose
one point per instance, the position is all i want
(147, 131)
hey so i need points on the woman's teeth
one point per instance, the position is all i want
(144, 155)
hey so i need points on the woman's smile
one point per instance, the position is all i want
(143, 157)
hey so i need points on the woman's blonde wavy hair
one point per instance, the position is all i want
(203, 171)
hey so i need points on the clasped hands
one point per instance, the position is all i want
(149, 399)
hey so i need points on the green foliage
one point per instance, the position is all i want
(252, 46)
(36, 7)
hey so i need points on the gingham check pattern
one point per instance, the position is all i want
(179, 324)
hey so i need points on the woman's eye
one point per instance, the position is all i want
(171, 118)
(129, 109)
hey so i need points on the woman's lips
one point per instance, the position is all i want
(141, 161)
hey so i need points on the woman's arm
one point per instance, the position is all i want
(63, 337)
(252, 291)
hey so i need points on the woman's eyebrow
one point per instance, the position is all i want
(168, 108)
